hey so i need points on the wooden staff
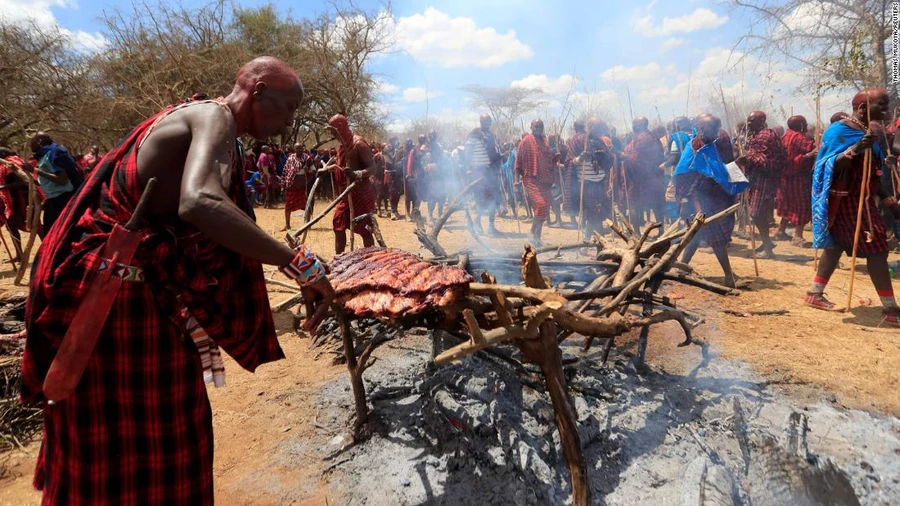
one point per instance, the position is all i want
(818, 143)
(306, 226)
(863, 197)
(352, 235)
(12, 259)
(580, 228)
(33, 218)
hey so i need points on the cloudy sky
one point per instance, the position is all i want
(670, 56)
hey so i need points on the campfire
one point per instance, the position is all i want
(611, 294)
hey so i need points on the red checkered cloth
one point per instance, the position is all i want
(794, 198)
(646, 182)
(363, 194)
(844, 227)
(294, 198)
(539, 197)
(534, 159)
(15, 200)
(766, 160)
(138, 428)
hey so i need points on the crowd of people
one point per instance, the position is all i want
(165, 284)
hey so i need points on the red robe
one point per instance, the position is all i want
(766, 160)
(794, 199)
(534, 161)
(138, 428)
(644, 181)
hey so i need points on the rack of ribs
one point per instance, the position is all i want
(392, 283)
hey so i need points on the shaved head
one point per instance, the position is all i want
(869, 95)
(871, 104)
(271, 71)
(756, 121)
(797, 123)
(640, 124)
(708, 127)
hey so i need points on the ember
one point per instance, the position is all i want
(393, 283)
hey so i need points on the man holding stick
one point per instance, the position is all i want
(355, 162)
(535, 164)
(837, 192)
(152, 266)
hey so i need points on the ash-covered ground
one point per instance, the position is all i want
(482, 432)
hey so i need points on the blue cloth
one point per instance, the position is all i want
(707, 162)
(60, 159)
(509, 166)
(680, 139)
(837, 138)
(51, 189)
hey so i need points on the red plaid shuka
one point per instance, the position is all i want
(294, 198)
(844, 227)
(363, 193)
(646, 182)
(534, 159)
(571, 188)
(766, 160)
(138, 428)
(794, 198)
(14, 201)
(539, 196)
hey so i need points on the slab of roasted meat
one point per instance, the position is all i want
(393, 283)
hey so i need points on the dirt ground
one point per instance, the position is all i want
(845, 359)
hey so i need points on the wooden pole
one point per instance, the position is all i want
(307, 226)
(863, 195)
(34, 206)
(818, 140)
(12, 259)
(352, 235)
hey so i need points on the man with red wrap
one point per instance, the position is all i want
(137, 429)
(644, 176)
(295, 180)
(794, 199)
(535, 163)
(355, 162)
(763, 163)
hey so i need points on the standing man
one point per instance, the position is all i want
(58, 176)
(266, 166)
(837, 185)
(295, 183)
(644, 173)
(138, 426)
(355, 162)
(595, 165)
(702, 185)
(535, 164)
(571, 188)
(795, 192)
(393, 175)
(90, 160)
(763, 163)
(483, 159)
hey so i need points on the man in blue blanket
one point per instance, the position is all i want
(836, 188)
(702, 185)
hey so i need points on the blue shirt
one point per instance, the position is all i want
(50, 188)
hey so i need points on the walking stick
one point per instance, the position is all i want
(752, 235)
(12, 259)
(515, 207)
(818, 143)
(863, 197)
(580, 228)
(350, 203)
(33, 218)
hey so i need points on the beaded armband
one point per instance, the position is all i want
(305, 268)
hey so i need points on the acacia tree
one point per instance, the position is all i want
(506, 104)
(834, 43)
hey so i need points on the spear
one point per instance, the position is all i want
(863, 198)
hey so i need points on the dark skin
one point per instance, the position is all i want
(37, 142)
(298, 182)
(876, 109)
(708, 129)
(360, 165)
(200, 140)
(537, 226)
(756, 122)
(802, 127)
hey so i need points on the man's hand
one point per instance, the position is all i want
(741, 161)
(28, 168)
(317, 297)
(866, 142)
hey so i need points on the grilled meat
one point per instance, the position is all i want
(393, 283)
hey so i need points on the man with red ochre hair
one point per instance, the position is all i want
(137, 427)
(355, 162)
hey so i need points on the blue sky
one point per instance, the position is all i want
(661, 52)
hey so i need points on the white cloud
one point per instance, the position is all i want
(435, 37)
(700, 19)
(386, 88)
(39, 12)
(559, 86)
(419, 94)
(670, 44)
(637, 72)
